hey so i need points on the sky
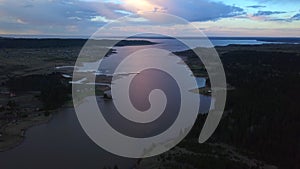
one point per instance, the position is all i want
(264, 18)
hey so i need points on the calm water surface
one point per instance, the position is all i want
(62, 143)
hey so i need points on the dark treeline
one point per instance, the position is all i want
(54, 90)
(62, 43)
(262, 114)
(265, 116)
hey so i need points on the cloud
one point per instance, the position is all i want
(56, 16)
(192, 10)
(199, 10)
(256, 6)
(277, 1)
(296, 17)
(84, 17)
(267, 13)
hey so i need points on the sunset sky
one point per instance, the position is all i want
(215, 18)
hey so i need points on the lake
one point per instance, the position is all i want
(62, 143)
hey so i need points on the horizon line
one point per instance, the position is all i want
(145, 37)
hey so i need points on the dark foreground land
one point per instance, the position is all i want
(259, 129)
(261, 124)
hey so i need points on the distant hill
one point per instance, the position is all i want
(61, 43)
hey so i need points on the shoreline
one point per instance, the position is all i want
(14, 134)
(206, 91)
(17, 135)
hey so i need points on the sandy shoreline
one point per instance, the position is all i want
(13, 134)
